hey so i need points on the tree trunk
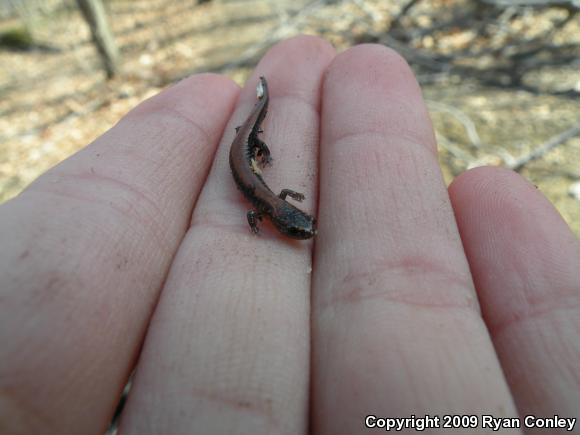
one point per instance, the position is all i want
(94, 14)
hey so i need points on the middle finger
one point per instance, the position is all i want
(396, 326)
(227, 349)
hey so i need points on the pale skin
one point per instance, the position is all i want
(412, 299)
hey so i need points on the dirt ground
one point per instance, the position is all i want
(53, 102)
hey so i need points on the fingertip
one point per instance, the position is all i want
(499, 193)
(519, 248)
(294, 67)
(192, 96)
(308, 47)
(373, 63)
(371, 88)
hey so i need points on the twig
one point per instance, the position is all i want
(538, 152)
(452, 149)
(465, 120)
(404, 11)
(566, 4)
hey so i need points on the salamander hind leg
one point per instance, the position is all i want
(262, 152)
(253, 218)
(294, 195)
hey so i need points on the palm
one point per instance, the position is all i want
(142, 236)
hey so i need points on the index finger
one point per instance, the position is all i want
(85, 250)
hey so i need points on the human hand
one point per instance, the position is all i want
(142, 236)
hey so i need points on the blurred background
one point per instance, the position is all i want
(501, 78)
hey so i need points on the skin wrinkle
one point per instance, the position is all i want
(380, 136)
(106, 203)
(194, 85)
(261, 408)
(197, 127)
(380, 130)
(534, 311)
(117, 184)
(359, 286)
(153, 126)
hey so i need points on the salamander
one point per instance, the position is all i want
(248, 154)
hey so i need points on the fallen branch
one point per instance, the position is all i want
(404, 11)
(572, 5)
(444, 143)
(465, 120)
(538, 152)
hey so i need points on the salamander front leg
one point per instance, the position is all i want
(294, 195)
(253, 218)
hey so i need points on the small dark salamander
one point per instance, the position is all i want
(247, 154)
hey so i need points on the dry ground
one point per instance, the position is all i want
(55, 102)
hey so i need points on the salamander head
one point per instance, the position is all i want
(295, 223)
